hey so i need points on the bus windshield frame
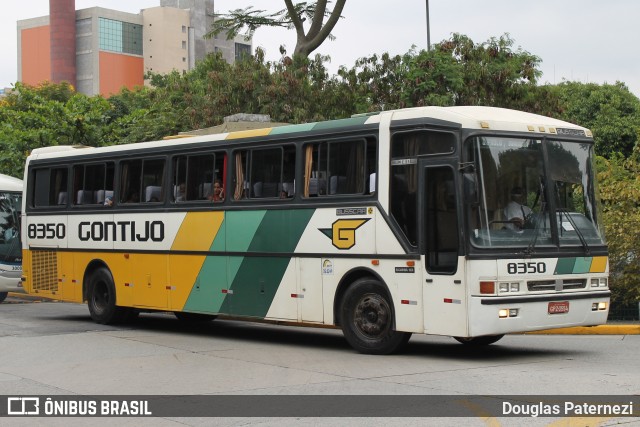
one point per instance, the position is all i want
(533, 193)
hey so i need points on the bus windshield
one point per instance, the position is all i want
(519, 200)
(10, 246)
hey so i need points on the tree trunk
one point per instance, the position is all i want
(319, 31)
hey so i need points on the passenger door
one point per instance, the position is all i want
(439, 225)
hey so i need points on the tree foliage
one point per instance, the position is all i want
(51, 114)
(455, 72)
(610, 111)
(619, 180)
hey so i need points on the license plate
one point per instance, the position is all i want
(559, 307)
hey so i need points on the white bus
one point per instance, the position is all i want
(470, 222)
(10, 245)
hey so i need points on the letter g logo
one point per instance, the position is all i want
(343, 232)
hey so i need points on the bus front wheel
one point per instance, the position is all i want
(367, 319)
(101, 298)
(479, 341)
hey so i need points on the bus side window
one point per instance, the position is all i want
(130, 171)
(93, 183)
(340, 167)
(152, 180)
(50, 187)
(266, 172)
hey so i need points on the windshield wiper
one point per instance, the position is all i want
(543, 207)
(575, 228)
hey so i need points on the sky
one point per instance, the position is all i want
(578, 40)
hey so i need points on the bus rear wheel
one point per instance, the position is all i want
(101, 298)
(3, 296)
(479, 341)
(367, 319)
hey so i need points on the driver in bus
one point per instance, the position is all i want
(12, 231)
(516, 212)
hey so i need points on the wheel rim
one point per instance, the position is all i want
(371, 316)
(100, 297)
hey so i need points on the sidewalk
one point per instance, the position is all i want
(608, 329)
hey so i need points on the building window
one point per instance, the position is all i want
(242, 50)
(184, 44)
(184, 28)
(121, 37)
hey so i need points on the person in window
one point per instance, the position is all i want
(181, 194)
(12, 231)
(218, 192)
(108, 201)
(516, 212)
(134, 197)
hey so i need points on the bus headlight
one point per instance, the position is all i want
(599, 282)
(599, 306)
(505, 287)
(503, 313)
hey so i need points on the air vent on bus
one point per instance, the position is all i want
(550, 285)
(44, 265)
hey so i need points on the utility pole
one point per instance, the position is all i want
(428, 29)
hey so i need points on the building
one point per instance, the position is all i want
(100, 50)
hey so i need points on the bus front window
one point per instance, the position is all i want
(572, 175)
(10, 246)
(511, 208)
(522, 202)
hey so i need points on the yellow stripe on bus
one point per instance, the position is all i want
(249, 133)
(197, 231)
(598, 264)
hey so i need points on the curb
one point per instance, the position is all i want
(592, 330)
(29, 298)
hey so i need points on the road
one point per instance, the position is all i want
(50, 348)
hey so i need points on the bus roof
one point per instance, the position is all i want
(468, 117)
(9, 183)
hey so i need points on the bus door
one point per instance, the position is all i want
(439, 228)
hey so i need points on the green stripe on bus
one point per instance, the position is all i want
(247, 285)
(281, 130)
(565, 266)
(258, 278)
(217, 272)
(341, 123)
(582, 265)
(207, 293)
(241, 228)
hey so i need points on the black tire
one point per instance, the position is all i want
(367, 319)
(479, 341)
(101, 298)
(186, 317)
(3, 296)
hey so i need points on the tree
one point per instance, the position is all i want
(612, 112)
(455, 72)
(293, 16)
(619, 183)
(49, 114)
